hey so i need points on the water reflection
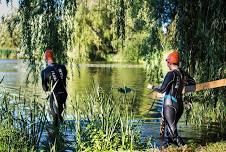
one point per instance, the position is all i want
(110, 79)
(107, 77)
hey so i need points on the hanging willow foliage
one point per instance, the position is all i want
(200, 35)
(120, 20)
(46, 23)
(202, 40)
(100, 29)
(198, 30)
(152, 48)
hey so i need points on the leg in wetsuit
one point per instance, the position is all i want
(57, 107)
(172, 113)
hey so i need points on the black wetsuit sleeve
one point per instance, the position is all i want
(65, 74)
(169, 78)
(44, 81)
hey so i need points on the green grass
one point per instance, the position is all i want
(21, 121)
(215, 147)
(8, 53)
(211, 147)
(102, 123)
(203, 114)
(106, 122)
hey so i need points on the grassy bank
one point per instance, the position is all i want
(215, 147)
(210, 147)
(8, 53)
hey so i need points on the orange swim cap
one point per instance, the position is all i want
(48, 54)
(173, 58)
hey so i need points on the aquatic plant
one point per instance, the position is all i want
(204, 113)
(104, 122)
(22, 120)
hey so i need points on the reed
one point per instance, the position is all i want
(103, 122)
(203, 114)
(23, 117)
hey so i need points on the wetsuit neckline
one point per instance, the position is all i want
(176, 69)
(51, 64)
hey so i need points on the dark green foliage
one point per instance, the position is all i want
(8, 54)
(152, 50)
(100, 31)
(45, 23)
(201, 39)
(10, 32)
(12, 139)
(120, 20)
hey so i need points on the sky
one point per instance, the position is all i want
(5, 10)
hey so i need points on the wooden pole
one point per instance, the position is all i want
(194, 88)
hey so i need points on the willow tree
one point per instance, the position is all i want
(197, 29)
(201, 36)
(10, 32)
(98, 29)
(45, 23)
(111, 28)
(152, 46)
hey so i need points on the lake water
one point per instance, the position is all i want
(110, 77)
(107, 76)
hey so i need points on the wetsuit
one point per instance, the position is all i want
(172, 86)
(54, 79)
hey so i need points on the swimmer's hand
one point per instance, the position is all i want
(150, 86)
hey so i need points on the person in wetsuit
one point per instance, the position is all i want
(172, 86)
(54, 82)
